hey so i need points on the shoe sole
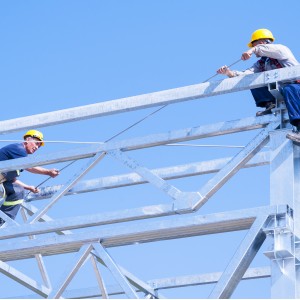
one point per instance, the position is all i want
(259, 114)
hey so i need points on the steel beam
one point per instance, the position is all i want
(99, 278)
(166, 97)
(241, 260)
(230, 169)
(203, 279)
(115, 270)
(78, 260)
(38, 257)
(174, 136)
(31, 210)
(8, 220)
(230, 219)
(70, 183)
(136, 282)
(174, 227)
(23, 279)
(129, 179)
(160, 284)
(147, 174)
(284, 188)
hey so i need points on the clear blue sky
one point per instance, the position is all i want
(61, 54)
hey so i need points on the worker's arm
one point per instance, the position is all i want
(43, 171)
(247, 54)
(30, 188)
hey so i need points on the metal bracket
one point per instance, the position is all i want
(271, 76)
(274, 89)
(281, 239)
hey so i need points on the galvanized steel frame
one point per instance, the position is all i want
(275, 222)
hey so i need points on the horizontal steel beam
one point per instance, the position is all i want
(168, 173)
(175, 136)
(165, 97)
(174, 227)
(202, 279)
(159, 284)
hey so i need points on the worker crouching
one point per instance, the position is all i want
(272, 56)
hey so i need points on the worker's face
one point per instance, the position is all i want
(32, 144)
(258, 42)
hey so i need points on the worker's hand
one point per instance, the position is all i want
(33, 189)
(223, 70)
(246, 55)
(53, 172)
(226, 71)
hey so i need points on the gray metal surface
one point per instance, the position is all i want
(162, 284)
(174, 172)
(237, 267)
(284, 163)
(114, 268)
(75, 265)
(120, 235)
(179, 216)
(175, 136)
(192, 92)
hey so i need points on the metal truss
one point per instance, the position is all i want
(89, 237)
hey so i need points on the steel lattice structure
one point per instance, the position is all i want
(278, 223)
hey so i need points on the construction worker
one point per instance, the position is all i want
(272, 56)
(13, 189)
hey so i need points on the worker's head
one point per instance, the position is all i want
(261, 36)
(33, 140)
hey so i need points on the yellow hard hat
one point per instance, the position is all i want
(35, 134)
(261, 34)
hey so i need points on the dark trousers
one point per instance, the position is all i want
(291, 95)
(14, 192)
(262, 96)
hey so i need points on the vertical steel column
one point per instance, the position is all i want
(285, 189)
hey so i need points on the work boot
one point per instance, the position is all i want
(268, 110)
(294, 136)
